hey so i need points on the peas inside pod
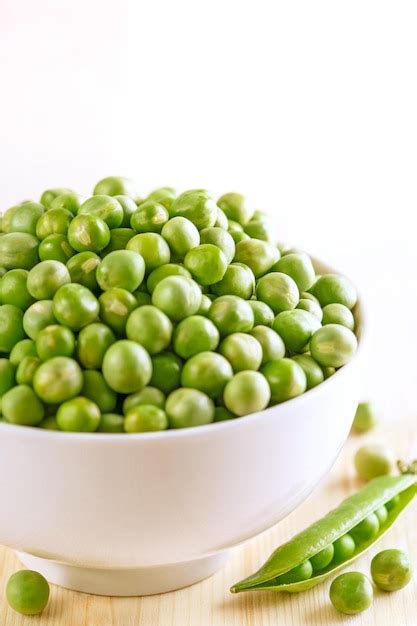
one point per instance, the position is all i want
(173, 295)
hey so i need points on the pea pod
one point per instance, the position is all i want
(289, 568)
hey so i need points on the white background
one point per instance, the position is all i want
(310, 108)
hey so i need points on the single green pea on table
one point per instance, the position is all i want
(171, 292)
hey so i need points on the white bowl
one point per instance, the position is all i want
(148, 513)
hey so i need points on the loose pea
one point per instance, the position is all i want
(373, 460)
(104, 207)
(152, 247)
(119, 238)
(333, 288)
(122, 268)
(333, 345)
(53, 222)
(7, 375)
(127, 367)
(205, 305)
(92, 345)
(323, 558)
(235, 227)
(11, 327)
(238, 236)
(278, 291)
(221, 414)
(197, 206)
(286, 379)
(391, 570)
(145, 418)
(149, 217)
(83, 268)
(304, 571)
(299, 267)
(312, 370)
(18, 251)
(170, 269)
(221, 221)
(366, 530)
(129, 207)
(220, 238)
(25, 218)
(208, 372)
(49, 196)
(55, 248)
(166, 372)
(111, 423)
(75, 306)
(142, 298)
(149, 327)
(258, 229)
(57, 380)
(243, 351)
(296, 328)
(26, 370)
(78, 415)
(163, 195)
(27, 592)
(148, 395)
(21, 405)
(88, 233)
(365, 417)
(177, 296)
(49, 423)
(263, 314)
(115, 185)
(95, 388)
(115, 307)
(46, 278)
(351, 593)
(181, 236)
(247, 392)
(38, 316)
(13, 289)
(238, 280)
(259, 255)
(231, 314)
(338, 314)
(235, 207)
(70, 201)
(189, 407)
(195, 334)
(310, 306)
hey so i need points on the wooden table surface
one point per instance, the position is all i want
(210, 604)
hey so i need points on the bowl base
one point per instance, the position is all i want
(141, 581)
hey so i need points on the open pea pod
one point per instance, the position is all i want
(377, 506)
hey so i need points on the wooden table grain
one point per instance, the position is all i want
(210, 604)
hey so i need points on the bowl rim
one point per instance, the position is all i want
(214, 427)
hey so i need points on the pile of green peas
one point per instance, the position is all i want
(122, 314)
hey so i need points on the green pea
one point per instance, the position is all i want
(333, 288)
(197, 206)
(75, 306)
(149, 327)
(221, 221)
(304, 571)
(88, 233)
(25, 218)
(238, 280)
(323, 558)
(343, 547)
(70, 201)
(278, 291)
(27, 592)
(333, 345)
(57, 380)
(18, 251)
(26, 370)
(189, 407)
(263, 314)
(55, 248)
(111, 423)
(208, 372)
(195, 334)
(310, 306)
(207, 263)
(78, 415)
(391, 570)
(145, 418)
(49, 423)
(163, 195)
(11, 327)
(373, 460)
(13, 289)
(105, 208)
(46, 278)
(177, 296)
(338, 314)
(115, 307)
(6, 218)
(53, 222)
(181, 236)
(299, 267)
(243, 351)
(271, 343)
(365, 417)
(129, 207)
(49, 196)
(327, 371)
(312, 370)
(93, 343)
(83, 268)
(38, 316)
(7, 375)
(238, 236)
(296, 328)
(221, 414)
(231, 315)
(235, 227)
(142, 298)
(21, 405)
(205, 305)
(351, 593)
(247, 392)
(149, 217)
(382, 514)
(115, 185)
(258, 229)
(220, 238)
(366, 530)
(166, 372)
(235, 208)
(391, 504)
(119, 238)
(152, 247)
(259, 255)
(148, 395)
(95, 388)
(170, 269)
(122, 268)
(286, 379)
(127, 367)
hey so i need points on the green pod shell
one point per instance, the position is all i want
(325, 531)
